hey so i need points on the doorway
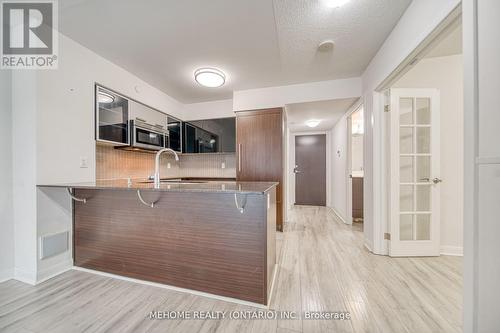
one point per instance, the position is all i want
(355, 168)
(310, 170)
(425, 139)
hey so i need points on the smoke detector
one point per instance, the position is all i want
(326, 46)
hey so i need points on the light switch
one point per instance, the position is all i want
(83, 162)
(223, 165)
(168, 165)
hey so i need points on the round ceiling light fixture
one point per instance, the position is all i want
(313, 122)
(210, 77)
(103, 97)
(336, 3)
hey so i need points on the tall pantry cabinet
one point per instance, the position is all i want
(260, 151)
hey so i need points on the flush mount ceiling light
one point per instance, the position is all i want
(103, 97)
(336, 3)
(313, 122)
(210, 77)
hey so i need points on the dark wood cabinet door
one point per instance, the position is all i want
(259, 140)
(357, 197)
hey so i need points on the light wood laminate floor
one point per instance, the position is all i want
(323, 266)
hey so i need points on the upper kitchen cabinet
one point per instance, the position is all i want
(144, 114)
(112, 117)
(210, 136)
(174, 127)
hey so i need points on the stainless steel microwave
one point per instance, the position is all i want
(147, 136)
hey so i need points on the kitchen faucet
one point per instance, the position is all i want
(157, 164)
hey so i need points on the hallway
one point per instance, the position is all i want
(337, 273)
(323, 266)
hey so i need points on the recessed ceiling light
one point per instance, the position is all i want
(210, 77)
(103, 97)
(336, 3)
(313, 122)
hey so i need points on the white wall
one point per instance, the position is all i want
(482, 165)
(209, 110)
(357, 154)
(339, 168)
(418, 21)
(446, 74)
(298, 93)
(24, 163)
(54, 215)
(6, 214)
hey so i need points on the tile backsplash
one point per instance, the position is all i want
(114, 163)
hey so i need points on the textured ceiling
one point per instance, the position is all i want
(358, 29)
(257, 43)
(329, 112)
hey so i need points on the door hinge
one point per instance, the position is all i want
(387, 108)
(387, 236)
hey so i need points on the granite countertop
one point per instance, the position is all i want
(172, 186)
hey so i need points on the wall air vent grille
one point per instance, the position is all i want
(51, 245)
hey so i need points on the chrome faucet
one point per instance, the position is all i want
(157, 164)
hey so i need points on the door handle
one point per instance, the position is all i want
(437, 180)
(296, 169)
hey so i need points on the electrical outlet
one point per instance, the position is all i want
(223, 165)
(83, 162)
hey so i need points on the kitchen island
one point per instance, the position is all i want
(213, 237)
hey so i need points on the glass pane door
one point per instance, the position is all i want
(415, 169)
(112, 116)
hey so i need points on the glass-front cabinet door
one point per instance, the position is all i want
(112, 117)
(174, 127)
(210, 136)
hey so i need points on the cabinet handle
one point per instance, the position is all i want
(84, 200)
(239, 157)
(149, 204)
(243, 203)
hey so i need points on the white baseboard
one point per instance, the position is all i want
(6, 274)
(24, 276)
(54, 270)
(452, 250)
(48, 273)
(338, 215)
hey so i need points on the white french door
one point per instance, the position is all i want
(414, 172)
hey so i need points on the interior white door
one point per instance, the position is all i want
(414, 172)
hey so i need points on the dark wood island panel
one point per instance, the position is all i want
(197, 241)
